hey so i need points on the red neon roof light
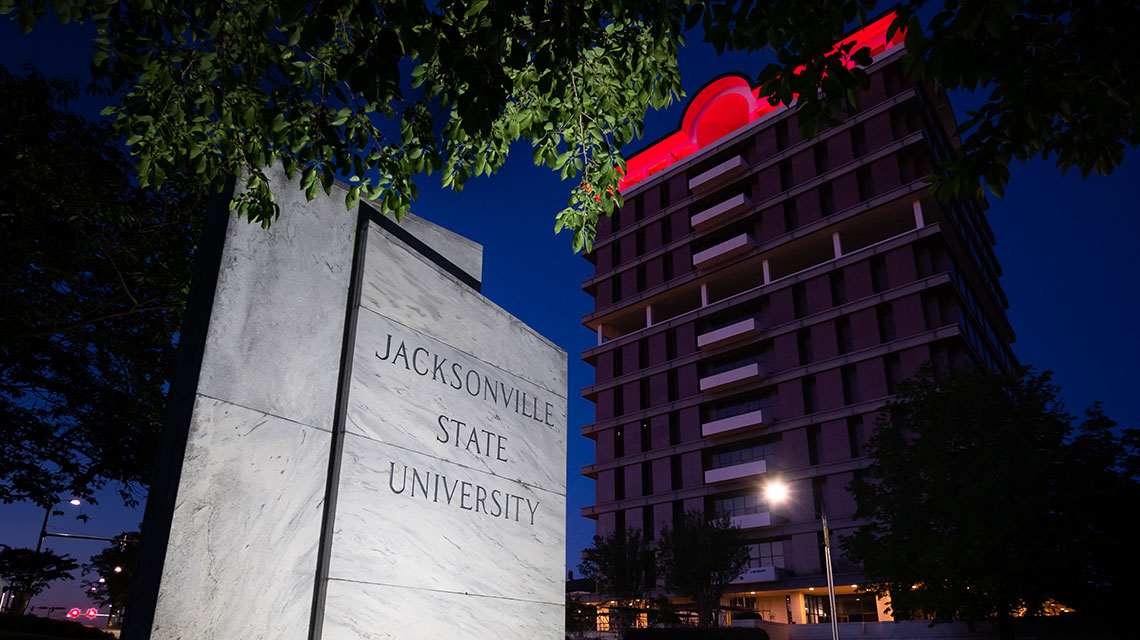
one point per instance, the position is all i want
(729, 103)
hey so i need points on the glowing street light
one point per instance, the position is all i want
(118, 569)
(75, 502)
(775, 492)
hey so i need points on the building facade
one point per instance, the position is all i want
(757, 300)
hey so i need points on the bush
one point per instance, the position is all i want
(34, 625)
(695, 633)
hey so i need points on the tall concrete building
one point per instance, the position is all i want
(757, 300)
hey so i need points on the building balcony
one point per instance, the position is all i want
(752, 520)
(730, 248)
(736, 472)
(719, 175)
(722, 211)
(733, 423)
(731, 378)
(729, 333)
(760, 574)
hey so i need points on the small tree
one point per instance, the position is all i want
(699, 558)
(111, 586)
(29, 572)
(985, 502)
(621, 564)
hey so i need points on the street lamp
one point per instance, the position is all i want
(776, 492)
(75, 502)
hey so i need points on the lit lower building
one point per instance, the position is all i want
(757, 300)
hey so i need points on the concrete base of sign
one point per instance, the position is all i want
(372, 448)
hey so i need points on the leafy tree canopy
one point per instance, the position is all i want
(381, 92)
(29, 572)
(93, 279)
(986, 502)
(699, 558)
(621, 565)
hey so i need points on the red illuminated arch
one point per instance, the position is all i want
(727, 104)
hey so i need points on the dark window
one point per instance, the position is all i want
(619, 484)
(670, 344)
(666, 231)
(810, 391)
(615, 221)
(803, 346)
(643, 393)
(616, 289)
(639, 208)
(781, 135)
(646, 479)
(641, 278)
(866, 185)
(639, 240)
(619, 442)
(923, 261)
(843, 337)
(822, 163)
(642, 354)
(850, 384)
(894, 372)
(879, 274)
(785, 176)
(859, 140)
(885, 316)
(818, 485)
(814, 438)
(674, 428)
(678, 511)
(619, 401)
(671, 384)
(667, 266)
(826, 199)
(799, 300)
(855, 435)
(931, 313)
(647, 522)
(619, 522)
(838, 288)
(676, 480)
(741, 455)
(646, 436)
(663, 195)
(615, 254)
(619, 366)
(791, 219)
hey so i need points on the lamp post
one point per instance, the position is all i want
(75, 502)
(777, 492)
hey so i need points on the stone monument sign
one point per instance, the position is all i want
(358, 443)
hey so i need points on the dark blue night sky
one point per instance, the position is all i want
(1068, 247)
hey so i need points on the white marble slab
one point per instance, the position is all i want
(243, 546)
(494, 422)
(464, 253)
(275, 330)
(379, 612)
(470, 532)
(399, 284)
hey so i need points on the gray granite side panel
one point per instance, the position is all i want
(275, 332)
(243, 547)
